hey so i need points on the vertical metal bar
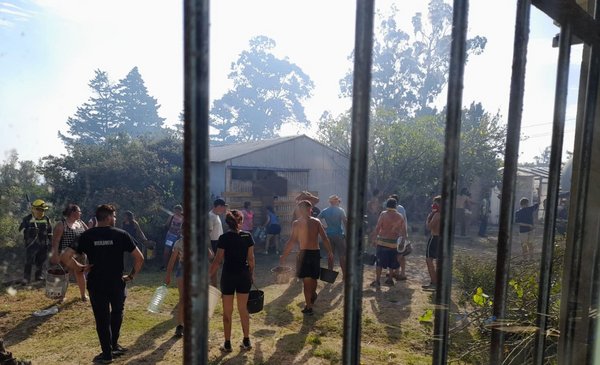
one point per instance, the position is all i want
(560, 107)
(509, 179)
(571, 306)
(196, 177)
(593, 356)
(456, 72)
(361, 91)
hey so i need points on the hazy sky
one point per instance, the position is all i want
(49, 50)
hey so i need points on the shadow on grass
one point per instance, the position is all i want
(277, 312)
(391, 308)
(147, 340)
(25, 328)
(158, 354)
(292, 344)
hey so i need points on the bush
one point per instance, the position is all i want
(9, 234)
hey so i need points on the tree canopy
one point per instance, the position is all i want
(267, 93)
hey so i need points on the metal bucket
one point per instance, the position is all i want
(283, 274)
(57, 281)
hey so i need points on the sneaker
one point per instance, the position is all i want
(376, 284)
(85, 298)
(308, 311)
(179, 331)
(246, 345)
(119, 350)
(430, 286)
(226, 347)
(389, 282)
(102, 359)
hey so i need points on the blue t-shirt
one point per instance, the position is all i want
(334, 217)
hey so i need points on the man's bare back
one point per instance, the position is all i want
(390, 225)
(306, 231)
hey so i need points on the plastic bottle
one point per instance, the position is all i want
(157, 299)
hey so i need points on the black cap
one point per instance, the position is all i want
(219, 202)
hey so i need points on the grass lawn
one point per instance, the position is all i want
(281, 334)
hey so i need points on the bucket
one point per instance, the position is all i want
(369, 259)
(57, 281)
(328, 275)
(213, 298)
(283, 274)
(256, 300)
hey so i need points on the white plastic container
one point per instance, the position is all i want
(157, 299)
(214, 295)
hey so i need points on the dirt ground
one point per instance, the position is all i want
(391, 330)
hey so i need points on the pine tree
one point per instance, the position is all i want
(137, 109)
(97, 118)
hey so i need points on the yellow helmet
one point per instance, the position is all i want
(39, 204)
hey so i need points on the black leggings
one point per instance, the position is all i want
(108, 302)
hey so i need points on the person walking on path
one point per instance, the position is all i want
(215, 229)
(335, 221)
(65, 236)
(273, 229)
(432, 252)
(524, 218)
(484, 215)
(390, 227)
(174, 225)
(306, 231)
(105, 245)
(236, 250)
(37, 234)
(401, 256)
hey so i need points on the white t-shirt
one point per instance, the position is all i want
(215, 228)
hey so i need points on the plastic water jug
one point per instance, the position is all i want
(157, 299)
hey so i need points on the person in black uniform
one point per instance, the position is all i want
(104, 246)
(237, 248)
(37, 232)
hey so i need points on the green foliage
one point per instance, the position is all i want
(481, 299)
(410, 69)
(142, 175)
(427, 316)
(112, 109)
(267, 93)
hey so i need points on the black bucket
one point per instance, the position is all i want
(256, 300)
(369, 259)
(328, 275)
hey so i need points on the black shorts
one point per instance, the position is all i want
(309, 264)
(433, 248)
(232, 283)
(274, 229)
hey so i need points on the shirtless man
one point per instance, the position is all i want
(433, 224)
(390, 226)
(306, 231)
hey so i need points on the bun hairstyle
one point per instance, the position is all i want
(234, 219)
(70, 208)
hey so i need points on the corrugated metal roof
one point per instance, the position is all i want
(227, 152)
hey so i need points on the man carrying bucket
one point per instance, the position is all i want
(105, 245)
(37, 232)
(306, 231)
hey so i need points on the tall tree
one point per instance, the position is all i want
(138, 110)
(411, 70)
(97, 118)
(267, 93)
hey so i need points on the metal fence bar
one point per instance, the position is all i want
(456, 72)
(509, 179)
(196, 171)
(571, 307)
(560, 107)
(363, 47)
(593, 355)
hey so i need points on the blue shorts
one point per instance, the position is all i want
(386, 257)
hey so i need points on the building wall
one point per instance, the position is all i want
(328, 170)
(217, 179)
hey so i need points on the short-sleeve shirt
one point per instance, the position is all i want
(235, 246)
(215, 228)
(104, 247)
(248, 223)
(334, 217)
(525, 216)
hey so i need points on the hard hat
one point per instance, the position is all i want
(39, 204)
